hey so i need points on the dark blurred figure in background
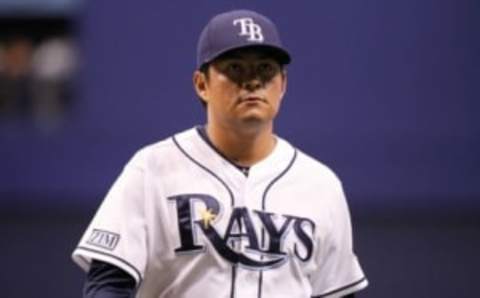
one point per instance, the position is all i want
(36, 79)
(53, 67)
(15, 76)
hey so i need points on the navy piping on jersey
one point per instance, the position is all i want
(341, 289)
(264, 202)
(139, 275)
(234, 279)
(264, 197)
(203, 134)
(260, 274)
(232, 198)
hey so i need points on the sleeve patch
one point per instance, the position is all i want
(103, 239)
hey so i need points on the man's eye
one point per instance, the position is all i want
(268, 69)
(234, 68)
(265, 67)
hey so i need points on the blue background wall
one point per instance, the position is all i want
(385, 92)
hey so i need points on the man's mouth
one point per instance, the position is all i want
(251, 98)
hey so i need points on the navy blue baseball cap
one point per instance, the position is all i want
(239, 29)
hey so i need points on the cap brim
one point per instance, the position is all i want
(279, 54)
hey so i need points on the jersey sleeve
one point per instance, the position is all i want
(339, 272)
(117, 233)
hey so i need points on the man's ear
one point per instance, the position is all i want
(200, 85)
(284, 83)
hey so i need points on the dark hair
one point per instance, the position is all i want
(204, 69)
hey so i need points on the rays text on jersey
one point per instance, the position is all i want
(263, 239)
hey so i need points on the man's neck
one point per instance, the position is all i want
(243, 147)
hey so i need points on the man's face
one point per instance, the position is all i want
(242, 87)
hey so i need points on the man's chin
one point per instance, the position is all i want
(255, 120)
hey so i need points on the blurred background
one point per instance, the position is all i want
(387, 93)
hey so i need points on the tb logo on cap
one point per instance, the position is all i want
(250, 29)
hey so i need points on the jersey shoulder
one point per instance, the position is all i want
(316, 170)
(159, 153)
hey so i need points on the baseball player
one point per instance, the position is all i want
(226, 209)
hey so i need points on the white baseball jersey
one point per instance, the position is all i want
(185, 222)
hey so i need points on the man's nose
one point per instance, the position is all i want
(252, 84)
(252, 81)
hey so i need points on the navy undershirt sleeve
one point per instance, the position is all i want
(108, 281)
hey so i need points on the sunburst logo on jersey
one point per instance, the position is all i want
(208, 217)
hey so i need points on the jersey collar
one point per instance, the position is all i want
(201, 150)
